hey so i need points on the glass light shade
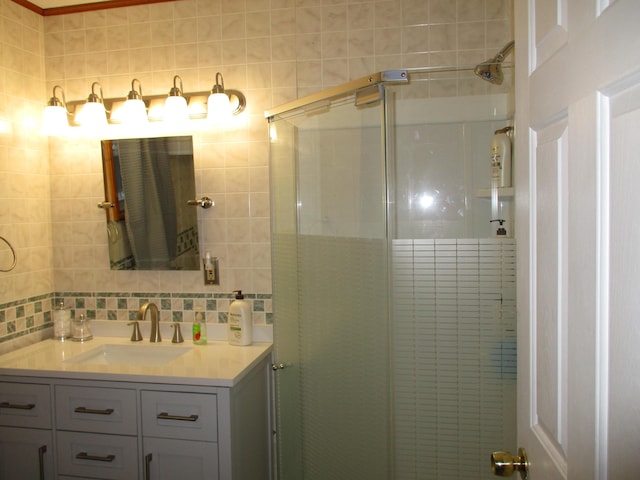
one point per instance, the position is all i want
(93, 115)
(175, 109)
(134, 112)
(218, 107)
(54, 121)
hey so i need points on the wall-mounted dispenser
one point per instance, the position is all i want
(501, 157)
(500, 178)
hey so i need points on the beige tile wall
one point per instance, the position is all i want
(24, 170)
(272, 50)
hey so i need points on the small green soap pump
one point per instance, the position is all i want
(199, 329)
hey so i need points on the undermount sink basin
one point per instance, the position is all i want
(130, 355)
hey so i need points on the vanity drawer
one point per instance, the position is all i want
(189, 416)
(102, 410)
(25, 405)
(97, 456)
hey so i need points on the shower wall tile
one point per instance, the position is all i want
(471, 36)
(442, 11)
(361, 43)
(415, 12)
(334, 18)
(443, 37)
(387, 14)
(415, 39)
(388, 41)
(308, 20)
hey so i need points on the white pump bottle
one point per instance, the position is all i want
(240, 321)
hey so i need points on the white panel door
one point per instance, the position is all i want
(577, 170)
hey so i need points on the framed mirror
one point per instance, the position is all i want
(147, 183)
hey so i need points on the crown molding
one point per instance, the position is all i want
(84, 7)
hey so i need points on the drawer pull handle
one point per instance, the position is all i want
(147, 466)
(86, 456)
(28, 406)
(166, 416)
(41, 451)
(106, 411)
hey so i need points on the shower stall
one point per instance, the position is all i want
(393, 292)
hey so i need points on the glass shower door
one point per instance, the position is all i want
(330, 281)
(453, 282)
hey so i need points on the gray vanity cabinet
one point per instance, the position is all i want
(116, 429)
(26, 439)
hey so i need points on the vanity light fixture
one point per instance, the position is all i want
(175, 109)
(55, 120)
(93, 114)
(134, 111)
(175, 106)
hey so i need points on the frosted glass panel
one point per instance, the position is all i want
(343, 345)
(330, 278)
(454, 356)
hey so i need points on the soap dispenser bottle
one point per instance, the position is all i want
(240, 321)
(199, 328)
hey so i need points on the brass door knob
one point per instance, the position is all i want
(503, 464)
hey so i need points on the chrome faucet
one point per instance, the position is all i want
(155, 320)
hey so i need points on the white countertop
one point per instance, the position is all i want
(216, 364)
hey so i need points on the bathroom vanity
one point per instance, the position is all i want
(113, 409)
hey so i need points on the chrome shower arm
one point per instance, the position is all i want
(505, 51)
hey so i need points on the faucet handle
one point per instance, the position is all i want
(136, 336)
(177, 334)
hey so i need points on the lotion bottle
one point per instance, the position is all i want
(240, 321)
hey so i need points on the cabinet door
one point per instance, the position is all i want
(167, 459)
(25, 453)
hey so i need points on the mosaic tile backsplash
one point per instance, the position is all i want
(31, 315)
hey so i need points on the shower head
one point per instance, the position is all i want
(491, 70)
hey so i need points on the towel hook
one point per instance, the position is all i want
(13, 264)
